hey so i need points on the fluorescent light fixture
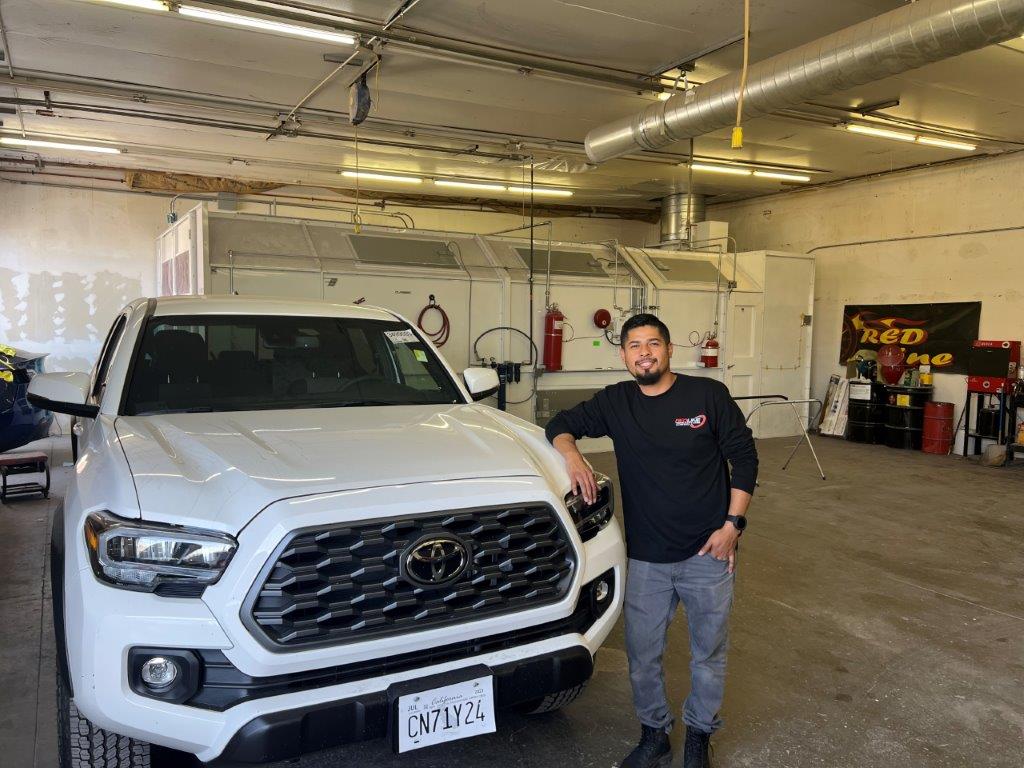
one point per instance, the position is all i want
(14, 142)
(382, 177)
(470, 185)
(880, 132)
(265, 25)
(541, 191)
(148, 5)
(722, 169)
(782, 176)
(948, 144)
(664, 95)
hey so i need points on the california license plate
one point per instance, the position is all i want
(443, 714)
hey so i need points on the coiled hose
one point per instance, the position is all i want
(440, 336)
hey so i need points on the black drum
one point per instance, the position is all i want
(988, 422)
(904, 416)
(865, 422)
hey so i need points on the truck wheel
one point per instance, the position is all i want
(553, 701)
(80, 744)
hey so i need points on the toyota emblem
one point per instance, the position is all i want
(436, 561)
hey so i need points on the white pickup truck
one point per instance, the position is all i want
(290, 526)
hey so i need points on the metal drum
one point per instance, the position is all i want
(988, 422)
(904, 416)
(866, 413)
(937, 434)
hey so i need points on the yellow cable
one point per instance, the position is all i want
(737, 132)
(357, 220)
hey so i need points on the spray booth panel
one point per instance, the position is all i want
(761, 300)
(409, 296)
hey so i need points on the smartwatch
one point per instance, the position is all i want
(738, 521)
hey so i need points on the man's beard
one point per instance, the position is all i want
(645, 378)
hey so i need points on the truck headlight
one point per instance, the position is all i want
(591, 518)
(151, 557)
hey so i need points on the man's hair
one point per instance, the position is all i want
(641, 320)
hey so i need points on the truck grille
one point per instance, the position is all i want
(347, 583)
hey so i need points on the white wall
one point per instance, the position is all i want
(962, 198)
(69, 259)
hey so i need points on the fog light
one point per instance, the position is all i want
(602, 590)
(158, 673)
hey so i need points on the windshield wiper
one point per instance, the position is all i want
(165, 411)
(351, 403)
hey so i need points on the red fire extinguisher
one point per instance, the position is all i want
(553, 339)
(709, 352)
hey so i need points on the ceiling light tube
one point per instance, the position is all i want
(264, 25)
(148, 5)
(382, 177)
(722, 169)
(15, 142)
(879, 132)
(541, 191)
(948, 144)
(782, 176)
(470, 185)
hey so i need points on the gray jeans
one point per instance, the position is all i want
(653, 591)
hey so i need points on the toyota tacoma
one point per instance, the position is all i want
(290, 526)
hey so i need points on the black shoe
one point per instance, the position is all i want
(653, 751)
(697, 749)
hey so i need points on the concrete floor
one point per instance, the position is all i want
(879, 621)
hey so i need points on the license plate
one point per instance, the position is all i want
(448, 713)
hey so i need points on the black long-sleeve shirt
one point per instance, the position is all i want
(673, 452)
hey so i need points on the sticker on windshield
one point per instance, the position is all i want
(401, 337)
(420, 355)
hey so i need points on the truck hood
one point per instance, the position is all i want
(218, 470)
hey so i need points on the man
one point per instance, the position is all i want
(673, 437)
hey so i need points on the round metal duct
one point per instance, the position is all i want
(898, 41)
(675, 210)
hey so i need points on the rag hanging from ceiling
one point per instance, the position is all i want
(359, 101)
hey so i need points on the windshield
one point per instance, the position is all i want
(243, 363)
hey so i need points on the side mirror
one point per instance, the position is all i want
(481, 382)
(62, 393)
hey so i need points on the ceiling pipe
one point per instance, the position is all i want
(415, 41)
(898, 41)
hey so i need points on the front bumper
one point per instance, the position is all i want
(291, 733)
(300, 687)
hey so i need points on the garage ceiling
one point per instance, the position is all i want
(466, 90)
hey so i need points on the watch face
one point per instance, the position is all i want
(740, 521)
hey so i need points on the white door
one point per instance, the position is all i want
(786, 356)
(742, 352)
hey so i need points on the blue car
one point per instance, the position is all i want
(20, 423)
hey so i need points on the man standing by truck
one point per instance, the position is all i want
(675, 437)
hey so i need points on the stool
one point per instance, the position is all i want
(24, 464)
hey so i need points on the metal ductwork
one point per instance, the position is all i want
(679, 210)
(895, 42)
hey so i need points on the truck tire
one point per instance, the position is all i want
(553, 701)
(80, 744)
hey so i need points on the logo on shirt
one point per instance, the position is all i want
(694, 422)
